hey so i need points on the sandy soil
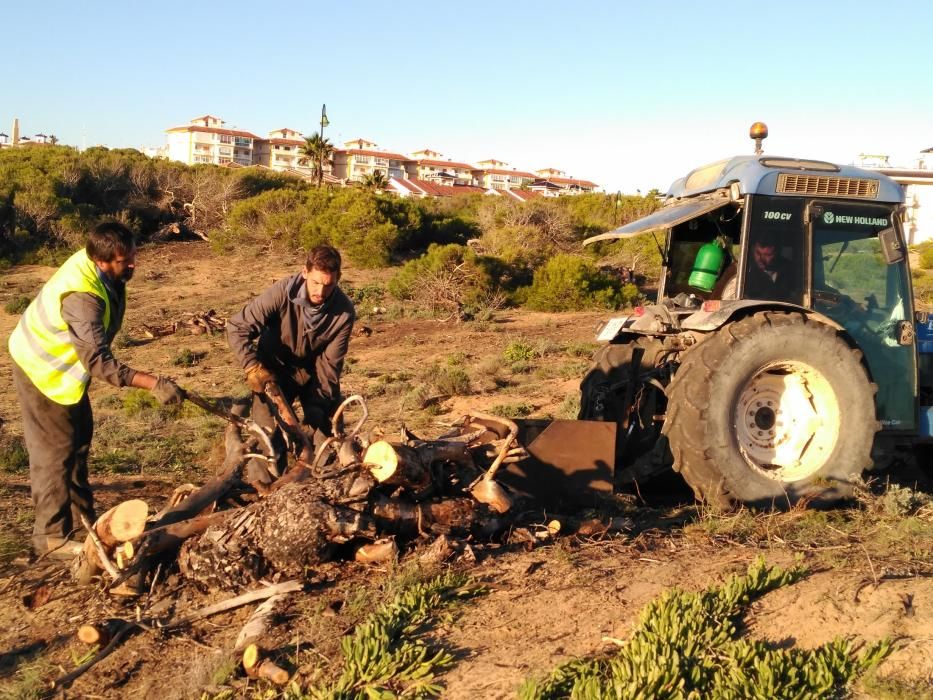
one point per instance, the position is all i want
(557, 601)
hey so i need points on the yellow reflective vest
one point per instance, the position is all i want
(41, 344)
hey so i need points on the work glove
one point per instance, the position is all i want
(167, 392)
(257, 377)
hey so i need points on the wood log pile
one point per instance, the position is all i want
(195, 323)
(350, 496)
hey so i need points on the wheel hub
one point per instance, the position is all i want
(787, 421)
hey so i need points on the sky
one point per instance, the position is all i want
(630, 95)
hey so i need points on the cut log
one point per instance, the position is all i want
(395, 464)
(257, 667)
(98, 633)
(377, 552)
(122, 523)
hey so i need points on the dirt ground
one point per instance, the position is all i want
(546, 604)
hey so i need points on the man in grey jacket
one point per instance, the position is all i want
(296, 334)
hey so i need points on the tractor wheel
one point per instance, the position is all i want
(603, 389)
(771, 410)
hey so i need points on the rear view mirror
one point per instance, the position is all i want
(891, 246)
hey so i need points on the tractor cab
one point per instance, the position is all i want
(756, 232)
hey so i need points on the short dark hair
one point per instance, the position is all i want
(107, 240)
(324, 258)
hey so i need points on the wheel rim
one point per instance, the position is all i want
(787, 421)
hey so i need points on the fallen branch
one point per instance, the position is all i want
(257, 624)
(235, 602)
(71, 677)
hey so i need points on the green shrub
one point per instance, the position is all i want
(449, 380)
(923, 288)
(451, 280)
(571, 283)
(13, 455)
(512, 410)
(17, 305)
(274, 215)
(519, 351)
(925, 250)
(139, 402)
(188, 358)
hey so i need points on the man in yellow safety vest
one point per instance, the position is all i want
(62, 340)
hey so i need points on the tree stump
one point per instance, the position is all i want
(223, 556)
(295, 529)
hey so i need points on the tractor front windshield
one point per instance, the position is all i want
(854, 285)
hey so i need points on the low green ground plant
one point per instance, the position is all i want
(188, 358)
(512, 410)
(17, 305)
(387, 656)
(690, 645)
(13, 456)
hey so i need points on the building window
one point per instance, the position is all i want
(226, 138)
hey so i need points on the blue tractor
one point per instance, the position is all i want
(783, 356)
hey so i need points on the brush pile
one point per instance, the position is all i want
(349, 496)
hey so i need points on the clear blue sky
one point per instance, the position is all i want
(629, 95)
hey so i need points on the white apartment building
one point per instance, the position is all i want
(361, 157)
(281, 151)
(917, 182)
(206, 140)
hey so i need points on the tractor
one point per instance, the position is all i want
(781, 358)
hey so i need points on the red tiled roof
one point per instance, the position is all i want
(434, 190)
(572, 181)
(406, 185)
(207, 116)
(445, 163)
(521, 195)
(285, 142)
(499, 171)
(379, 154)
(214, 130)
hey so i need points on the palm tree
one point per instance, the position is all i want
(376, 180)
(316, 151)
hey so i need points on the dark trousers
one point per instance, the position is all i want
(58, 439)
(316, 415)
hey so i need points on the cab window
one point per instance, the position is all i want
(774, 253)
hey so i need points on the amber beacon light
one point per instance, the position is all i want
(758, 132)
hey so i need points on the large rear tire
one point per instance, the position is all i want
(770, 410)
(603, 391)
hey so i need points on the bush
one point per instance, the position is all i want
(449, 380)
(17, 305)
(450, 280)
(571, 283)
(519, 351)
(13, 455)
(925, 250)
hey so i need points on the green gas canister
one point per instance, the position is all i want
(707, 266)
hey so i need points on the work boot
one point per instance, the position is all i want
(52, 547)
